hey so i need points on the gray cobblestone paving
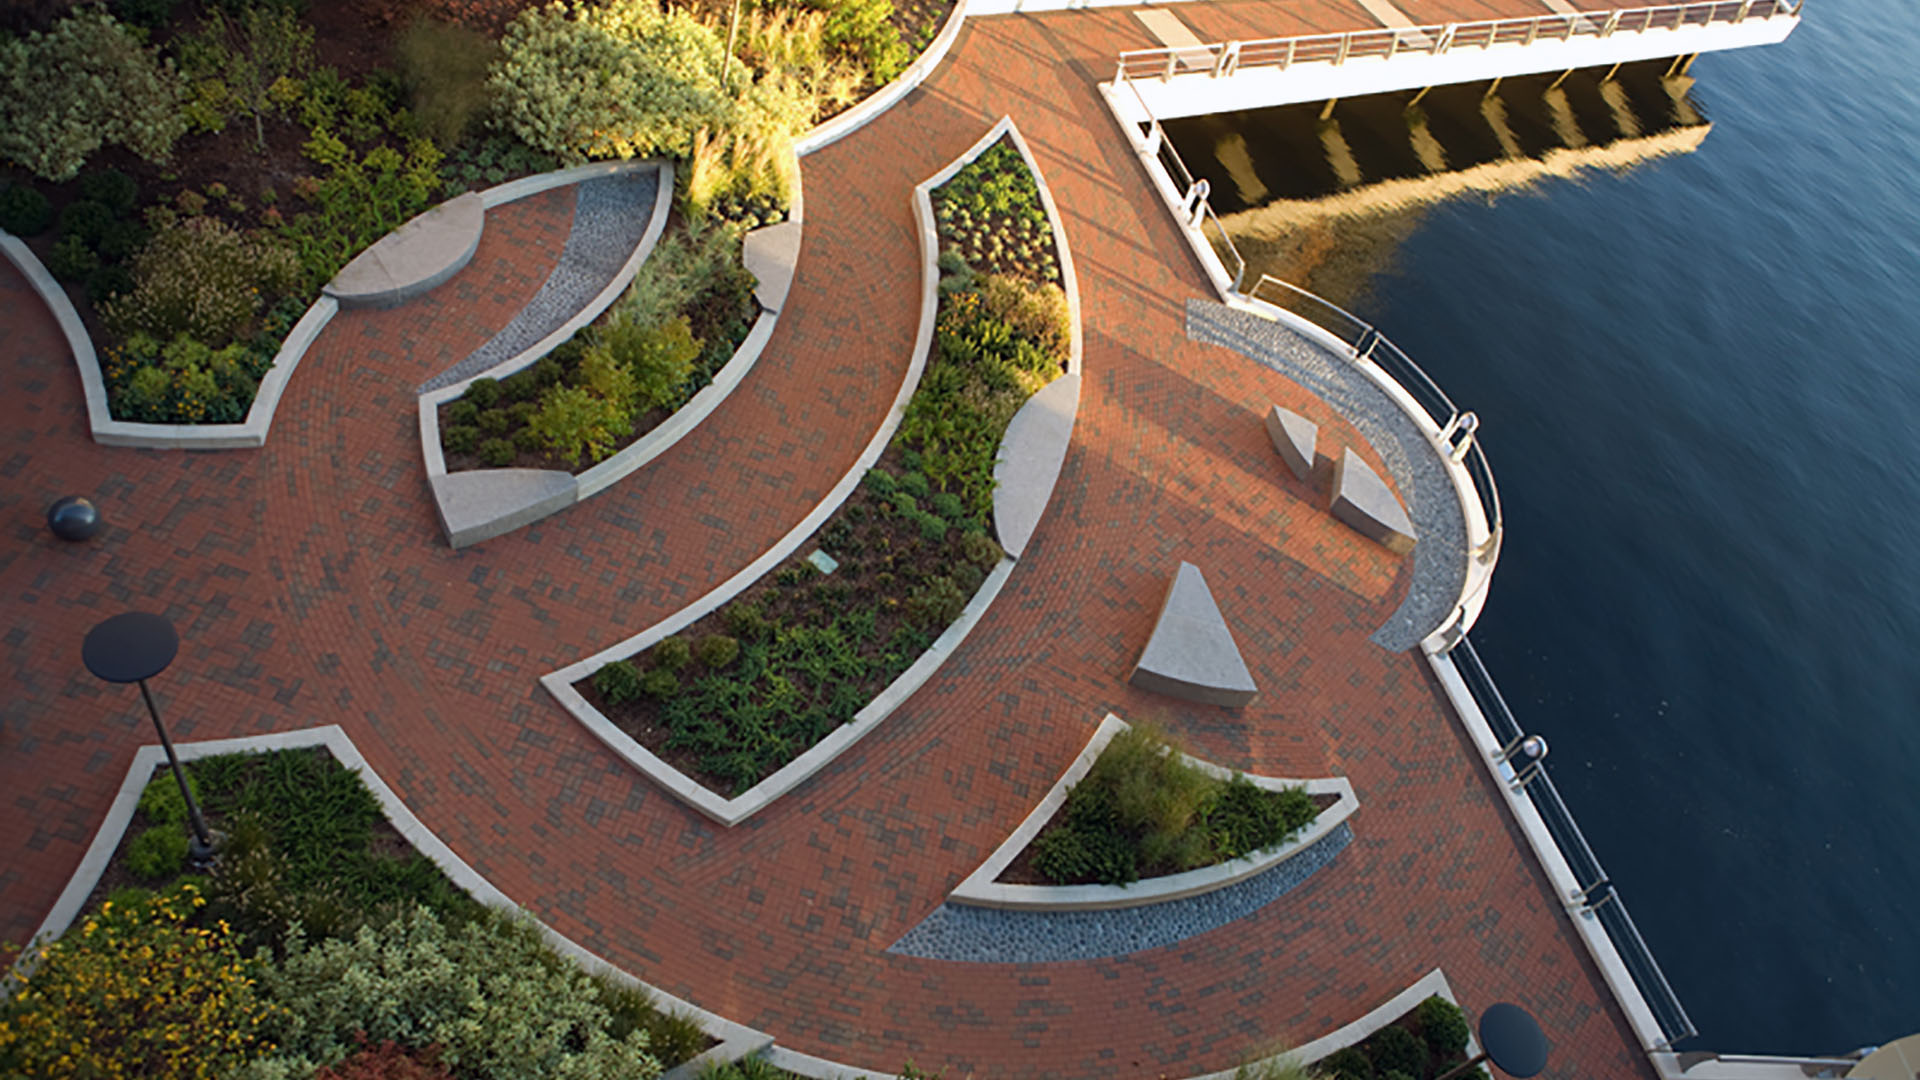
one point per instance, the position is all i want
(992, 936)
(1439, 559)
(610, 217)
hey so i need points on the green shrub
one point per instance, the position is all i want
(444, 68)
(462, 411)
(158, 853)
(85, 220)
(659, 356)
(948, 505)
(87, 82)
(1394, 1049)
(659, 682)
(574, 422)
(618, 682)
(120, 240)
(111, 189)
(879, 481)
(493, 422)
(496, 453)
(1399, 1074)
(915, 484)
(527, 441)
(747, 622)
(863, 28)
(656, 80)
(717, 651)
(490, 993)
(672, 653)
(1247, 818)
(362, 198)
(482, 393)
(1347, 1063)
(202, 278)
(143, 991)
(522, 385)
(936, 603)
(460, 439)
(609, 379)
(671, 1037)
(72, 260)
(161, 800)
(23, 211)
(1071, 854)
(1443, 1026)
(981, 550)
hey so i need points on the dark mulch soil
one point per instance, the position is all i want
(1021, 871)
(890, 549)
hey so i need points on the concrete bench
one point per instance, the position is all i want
(1191, 654)
(414, 258)
(1364, 502)
(1296, 438)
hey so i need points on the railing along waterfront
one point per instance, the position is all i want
(1195, 210)
(1225, 58)
(1369, 344)
(1596, 891)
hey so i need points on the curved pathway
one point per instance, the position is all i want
(310, 587)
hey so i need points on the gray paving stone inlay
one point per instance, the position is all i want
(1440, 559)
(992, 936)
(609, 218)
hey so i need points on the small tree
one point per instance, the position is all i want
(266, 45)
(574, 421)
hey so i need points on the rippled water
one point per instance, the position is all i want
(1699, 387)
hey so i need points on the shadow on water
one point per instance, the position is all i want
(1324, 203)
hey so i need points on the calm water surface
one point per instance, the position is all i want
(1699, 388)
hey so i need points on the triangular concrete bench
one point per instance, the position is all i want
(1364, 502)
(1296, 438)
(1191, 654)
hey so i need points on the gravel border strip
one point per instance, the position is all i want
(1440, 559)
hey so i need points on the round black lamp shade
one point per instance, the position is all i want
(1513, 1041)
(130, 647)
(73, 518)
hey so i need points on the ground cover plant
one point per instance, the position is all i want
(1144, 811)
(747, 689)
(687, 311)
(319, 939)
(1425, 1043)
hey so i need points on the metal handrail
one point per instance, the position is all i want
(1225, 58)
(1193, 192)
(1601, 896)
(1368, 343)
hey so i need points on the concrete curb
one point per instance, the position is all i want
(979, 889)
(735, 1040)
(732, 811)
(1043, 428)
(107, 431)
(827, 133)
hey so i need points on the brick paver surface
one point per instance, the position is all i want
(311, 585)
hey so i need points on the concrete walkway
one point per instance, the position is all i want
(310, 587)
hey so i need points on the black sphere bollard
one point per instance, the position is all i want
(74, 518)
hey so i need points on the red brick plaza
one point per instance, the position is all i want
(311, 586)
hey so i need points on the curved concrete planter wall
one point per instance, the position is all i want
(732, 811)
(981, 890)
(481, 504)
(107, 431)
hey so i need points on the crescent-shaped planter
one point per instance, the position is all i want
(1041, 438)
(981, 890)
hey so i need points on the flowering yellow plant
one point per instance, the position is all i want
(136, 991)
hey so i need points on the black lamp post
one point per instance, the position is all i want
(1511, 1039)
(133, 648)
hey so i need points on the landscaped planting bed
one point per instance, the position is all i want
(1425, 1043)
(749, 687)
(195, 173)
(1144, 811)
(687, 311)
(318, 938)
